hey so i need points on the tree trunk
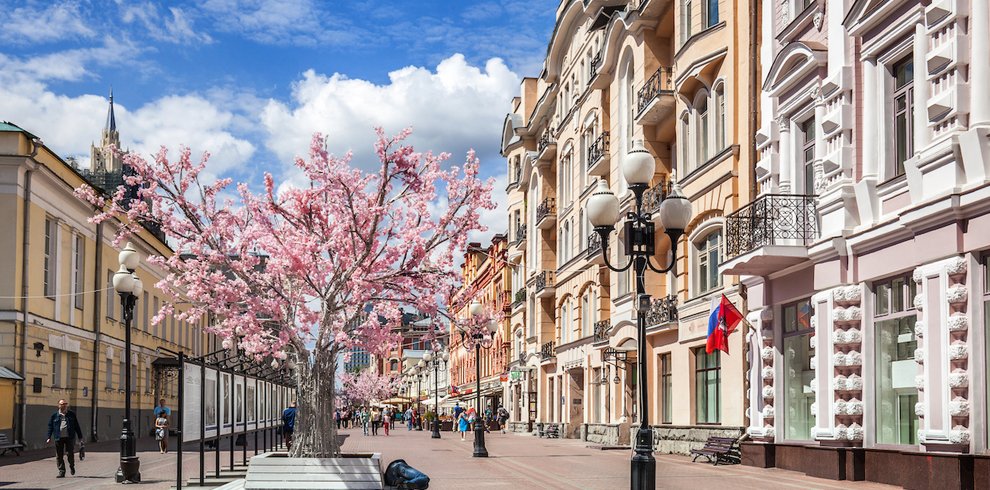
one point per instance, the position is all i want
(316, 431)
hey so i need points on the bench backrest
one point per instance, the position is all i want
(720, 443)
(3, 439)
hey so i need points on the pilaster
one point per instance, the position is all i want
(839, 366)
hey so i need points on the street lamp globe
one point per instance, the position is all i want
(603, 207)
(638, 166)
(675, 211)
(428, 357)
(475, 309)
(123, 281)
(421, 365)
(128, 257)
(492, 327)
(138, 286)
(445, 356)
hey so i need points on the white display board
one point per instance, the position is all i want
(212, 403)
(251, 398)
(192, 383)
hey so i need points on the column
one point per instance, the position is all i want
(979, 74)
(869, 139)
(922, 89)
(786, 156)
(819, 142)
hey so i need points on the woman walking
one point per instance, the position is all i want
(462, 424)
(161, 432)
(386, 420)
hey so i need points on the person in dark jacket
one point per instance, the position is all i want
(63, 427)
(289, 424)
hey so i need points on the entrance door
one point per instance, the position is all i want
(532, 411)
(576, 409)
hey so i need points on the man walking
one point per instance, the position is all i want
(289, 424)
(457, 413)
(64, 427)
(409, 418)
(503, 417)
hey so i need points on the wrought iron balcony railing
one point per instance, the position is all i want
(522, 358)
(660, 82)
(546, 208)
(601, 330)
(544, 280)
(598, 149)
(655, 195)
(772, 219)
(594, 245)
(662, 310)
(548, 351)
(520, 298)
(545, 139)
(520, 233)
(596, 63)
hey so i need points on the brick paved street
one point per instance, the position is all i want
(519, 462)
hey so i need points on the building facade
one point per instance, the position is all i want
(666, 73)
(61, 326)
(864, 257)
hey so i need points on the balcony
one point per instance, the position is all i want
(598, 155)
(548, 351)
(654, 196)
(546, 213)
(546, 146)
(520, 234)
(545, 284)
(594, 251)
(596, 64)
(662, 311)
(602, 329)
(522, 358)
(519, 299)
(769, 234)
(655, 101)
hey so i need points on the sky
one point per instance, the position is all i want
(252, 80)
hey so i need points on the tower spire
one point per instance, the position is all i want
(111, 121)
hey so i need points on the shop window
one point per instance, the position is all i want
(707, 386)
(894, 319)
(798, 374)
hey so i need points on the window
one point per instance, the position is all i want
(160, 324)
(586, 314)
(720, 118)
(77, 272)
(707, 383)
(146, 306)
(903, 73)
(708, 252)
(894, 319)
(701, 108)
(666, 389)
(57, 368)
(111, 296)
(798, 374)
(685, 147)
(685, 20)
(50, 256)
(109, 373)
(711, 12)
(808, 154)
(123, 373)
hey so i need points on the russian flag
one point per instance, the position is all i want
(721, 322)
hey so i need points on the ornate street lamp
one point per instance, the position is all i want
(436, 358)
(639, 236)
(129, 286)
(420, 374)
(478, 337)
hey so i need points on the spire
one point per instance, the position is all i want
(111, 122)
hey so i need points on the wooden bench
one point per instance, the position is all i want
(717, 449)
(6, 445)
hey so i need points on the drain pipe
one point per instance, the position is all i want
(25, 246)
(97, 303)
(754, 94)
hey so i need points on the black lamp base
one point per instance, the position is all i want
(480, 451)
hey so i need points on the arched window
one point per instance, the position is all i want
(720, 117)
(685, 144)
(701, 123)
(586, 313)
(625, 115)
(708, 254)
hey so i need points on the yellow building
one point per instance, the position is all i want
(675, 75)
(61, 325)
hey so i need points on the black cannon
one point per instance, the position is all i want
(401, 475)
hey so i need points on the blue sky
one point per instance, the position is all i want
(251, 80)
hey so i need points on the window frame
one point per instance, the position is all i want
(709, 19)
(701, 257)
(809, 125)
(666, 388)
(51, 256)
(908, 289)
(786, 334)
(78, 274)
(717, 369)
(896, 168)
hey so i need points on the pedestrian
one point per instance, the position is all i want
(161, 432)
(386, 420)
(376, 420)
(161, 408)
(487, 418)
(365, 420)
(457, 415)
(346, 417)
(336, 417)
(461, 423)
(63, 426)
(409, 418)
(289, 424)
(503, 417)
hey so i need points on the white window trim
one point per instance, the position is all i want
(697, 235)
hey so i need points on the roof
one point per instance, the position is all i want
(8, 374)
(6, 126)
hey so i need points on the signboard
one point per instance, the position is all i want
(252, 401)
(192, 384)
(210, 415)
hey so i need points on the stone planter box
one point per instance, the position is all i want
(359, 471)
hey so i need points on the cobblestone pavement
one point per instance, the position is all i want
(516, 461)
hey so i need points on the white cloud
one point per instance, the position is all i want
(176, 28)
(280, 22)
(46, 22)
(454, 108)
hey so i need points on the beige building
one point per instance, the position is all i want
(61, 325)
(674, 74)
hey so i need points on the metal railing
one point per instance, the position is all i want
(660, 82)
(520, 233)
(520, 297)
(545, 139)
(655, 195)
(594, 245)
(544, 280)
(546, 208)
(771, 220)
(596, 63)
(548, 351)
(522, 358)
(662, 310)
(598, 149)
(602, 330)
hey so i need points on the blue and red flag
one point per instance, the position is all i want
(721, 323)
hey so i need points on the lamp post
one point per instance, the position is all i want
(480, 338)
(420, 374)
(129, 286)
(436, 359)
(675, 214)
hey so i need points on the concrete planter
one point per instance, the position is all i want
(361, 471)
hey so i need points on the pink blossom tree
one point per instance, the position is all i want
(303, 274)
(368, 386)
